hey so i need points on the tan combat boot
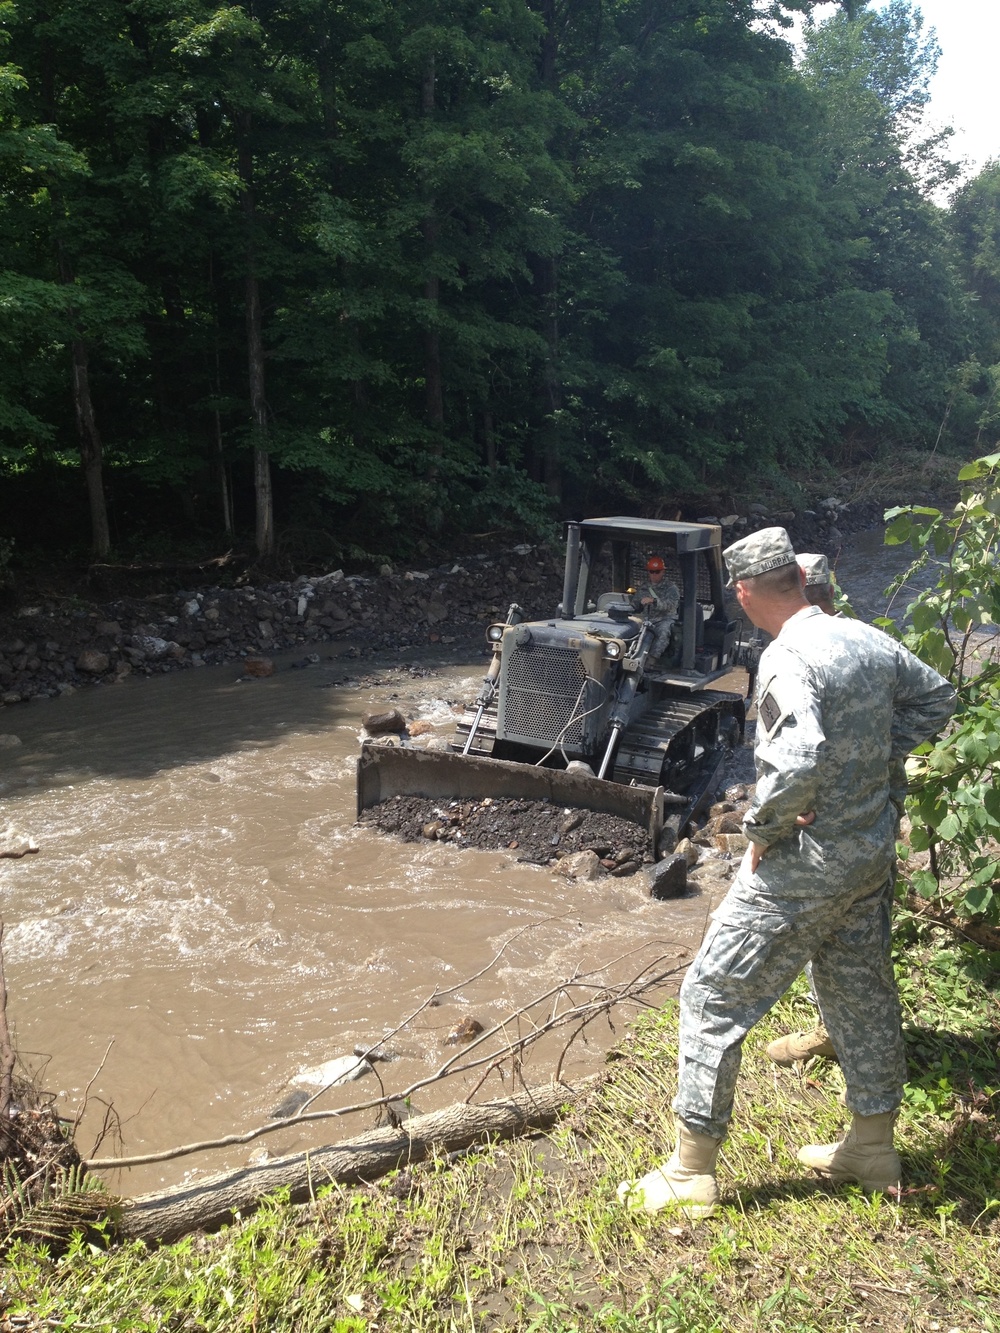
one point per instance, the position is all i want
(801, 1046)
(686, 1179)
(866, 1154)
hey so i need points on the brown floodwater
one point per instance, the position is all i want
(204, 920)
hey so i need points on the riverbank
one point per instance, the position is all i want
(54, 643)
(530, 1235)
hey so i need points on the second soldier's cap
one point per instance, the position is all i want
(761, 551)
(817, 568)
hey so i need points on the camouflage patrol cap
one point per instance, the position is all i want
(817, 568)
(761, 551)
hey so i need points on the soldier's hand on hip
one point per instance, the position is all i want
(803, 820)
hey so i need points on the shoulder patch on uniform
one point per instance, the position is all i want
(771, 711)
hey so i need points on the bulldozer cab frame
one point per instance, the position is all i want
(692, 556)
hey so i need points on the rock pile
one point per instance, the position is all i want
(50, 649)
(821, 526)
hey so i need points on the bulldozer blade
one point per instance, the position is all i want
(385, 771)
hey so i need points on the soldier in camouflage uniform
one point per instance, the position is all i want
(838, 702)
(659, 600)
(819, 590)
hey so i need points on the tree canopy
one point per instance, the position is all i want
(385, 271)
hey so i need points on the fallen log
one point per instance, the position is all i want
(168, 566)
(213, 1201)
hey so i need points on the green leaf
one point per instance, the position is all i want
(920, 838)
(924, 884)
(978, 900)
(899, 530)
(924, 617)
(949, 827)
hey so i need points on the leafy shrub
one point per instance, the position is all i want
(954, 802)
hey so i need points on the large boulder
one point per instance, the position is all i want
(731, 844)
(332, 1073)
(151, 648)
(668, 878)
(93, 662)
(580, 865)
(385, 723)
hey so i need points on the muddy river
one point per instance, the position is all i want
(203, 903)
(204, 921)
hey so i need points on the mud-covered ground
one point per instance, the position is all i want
(535, 831)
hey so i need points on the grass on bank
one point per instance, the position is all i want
(530, 1235)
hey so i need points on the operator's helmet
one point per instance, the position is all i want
(655, 565)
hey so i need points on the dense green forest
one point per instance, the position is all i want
(333, 278)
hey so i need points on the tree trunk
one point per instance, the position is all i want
(547, 279)
(219, 458)
(433, 378)
(489, 440)
(91, 452)
(212, 1201)
(255, 355)
(551, 385)
(222, 472)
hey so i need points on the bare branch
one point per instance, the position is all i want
(429, 1002)
(459, 1063)
(86, 1092)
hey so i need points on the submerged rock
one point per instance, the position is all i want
(581, 865)
(332, 1073)
(15, 843)
(464, 1031)
(258, 667)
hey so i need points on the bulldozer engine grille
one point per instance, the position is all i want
(543, 691)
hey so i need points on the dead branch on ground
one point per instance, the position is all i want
(215, 1200)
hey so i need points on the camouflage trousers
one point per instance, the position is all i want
(755, 947)
(661, 636)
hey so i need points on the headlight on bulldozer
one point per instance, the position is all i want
(614, 648)
(495, 633)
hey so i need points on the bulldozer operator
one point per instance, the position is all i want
(659, 600)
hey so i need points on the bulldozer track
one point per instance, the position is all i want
(646, 743)
(486, 733)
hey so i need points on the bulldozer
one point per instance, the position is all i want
(572, 709)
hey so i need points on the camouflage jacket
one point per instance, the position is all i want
(666, 599)
(839, 705)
